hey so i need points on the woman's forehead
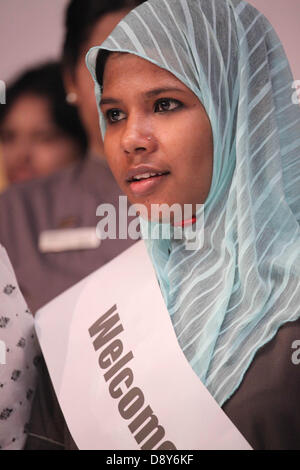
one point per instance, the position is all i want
(131, 69)
(127, 59)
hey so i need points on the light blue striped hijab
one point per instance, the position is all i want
(227, 299)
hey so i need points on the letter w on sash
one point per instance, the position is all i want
(104, 328)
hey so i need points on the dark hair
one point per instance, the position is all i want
(80, 19)
(101, 60)
(46, 81)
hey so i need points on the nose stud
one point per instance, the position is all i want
(149, 138)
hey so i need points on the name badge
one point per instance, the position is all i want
(119, 373)
(82, 238)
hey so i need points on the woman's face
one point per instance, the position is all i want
(31, 143)
(155, 124)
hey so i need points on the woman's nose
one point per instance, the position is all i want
(137, 137)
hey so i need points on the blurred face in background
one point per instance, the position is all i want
(31, 143)
(81, 83)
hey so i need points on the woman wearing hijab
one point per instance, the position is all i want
(196, 108)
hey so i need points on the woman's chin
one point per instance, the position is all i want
(161, 212)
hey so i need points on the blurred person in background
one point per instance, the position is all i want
(67, 199)
(40, 132)
(3, 177)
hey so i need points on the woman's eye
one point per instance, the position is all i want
(114, 115)
(166, 104)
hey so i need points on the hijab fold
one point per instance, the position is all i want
(229, 297)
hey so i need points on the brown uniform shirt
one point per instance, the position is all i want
(68, 198)
(266, 406)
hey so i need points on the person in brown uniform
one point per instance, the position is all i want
(68, 199)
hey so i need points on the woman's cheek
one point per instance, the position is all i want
(108, 150)
(112, 154)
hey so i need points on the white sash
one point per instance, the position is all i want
(120, 375)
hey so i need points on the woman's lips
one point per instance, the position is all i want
(146, 186)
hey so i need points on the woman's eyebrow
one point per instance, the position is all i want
(109, 100)
(147, 94)
(158, 91)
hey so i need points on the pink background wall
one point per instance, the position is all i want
(32, 30)
(284, 15)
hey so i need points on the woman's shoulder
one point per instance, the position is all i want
(266, 407)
